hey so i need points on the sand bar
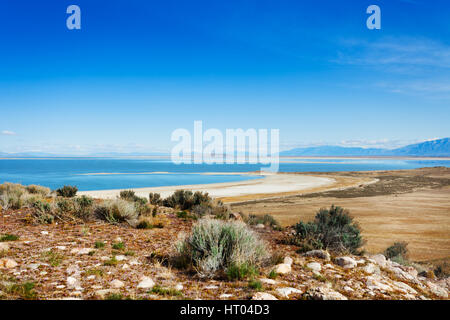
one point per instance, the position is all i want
(269, 183)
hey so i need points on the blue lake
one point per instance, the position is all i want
(84, 173)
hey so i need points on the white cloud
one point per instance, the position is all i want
(8, 133)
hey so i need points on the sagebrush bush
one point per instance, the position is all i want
(118, 210)
(398, 249)
(67, 191)
(40, 190)
(155, 199)
(43, 212)
(186, 200)
(332, 229)
(216, 245)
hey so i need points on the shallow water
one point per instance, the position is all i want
(84, 173)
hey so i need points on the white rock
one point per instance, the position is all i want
(404, 287)
(33, 266)
(437, 290)
(379, 259)
(225, 296)
(146, 283)
(118, 239)
(346, 262)
(7, 263)
(72, 283)
(288, 260)
(212, 287)
(179, 287)
(43, 273)
(3, 247)
(374, 283)
(371, 268)
(283, 268)
(121, 258)
(260, 226)
(44, 233)
(73, 270)
(314, 266)
(325, 293)
(286, 292)
(268, 281)
(263, 296)
(62, 248)
(116, 284)
(60, 286)
(91, 277)
(125, 267)
(135, 262)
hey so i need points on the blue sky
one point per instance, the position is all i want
(137, 70)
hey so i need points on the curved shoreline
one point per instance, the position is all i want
(267, 184)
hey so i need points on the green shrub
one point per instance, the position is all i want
(155, 199)
(115, 211)
(8, 237)
(398, 249)
(67, 191)
(118, 246)
(23, 290)
(129, 195)
(185, 199)
(273, 274)
(215, 245)
(165, 291)
(99, 244)
(255, 284)
(332, 229)
(43, 212)
(241, 271)
(40, 190)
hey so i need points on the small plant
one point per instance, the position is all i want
(165, 291)
(34, 189)
(8, 237)
(114, 296)
(24, 290)
(216, 245)
(241, 271)
(53, 257)
(111, 262)
(273, 274)
(398, 249)
(130, 253)
(116, 211)
(255, 284)
(99, 244)
(149, 223)
(155, 199)
(118, 246)
(67, 191)
(94, 272)
(43, 212)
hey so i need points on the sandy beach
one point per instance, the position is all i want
(268, 184)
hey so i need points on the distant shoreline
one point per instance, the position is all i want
(281, 157)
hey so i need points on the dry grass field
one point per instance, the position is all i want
(408, 205)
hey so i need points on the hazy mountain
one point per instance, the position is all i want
(435, 148)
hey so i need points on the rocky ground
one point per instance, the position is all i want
(97, 260)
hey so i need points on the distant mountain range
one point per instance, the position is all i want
(435, 148)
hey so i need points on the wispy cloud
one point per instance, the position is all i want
(399, 54)
(8, 133)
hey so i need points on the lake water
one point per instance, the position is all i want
(84, 173)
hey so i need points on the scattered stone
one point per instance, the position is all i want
(404, 287)
(62, 248)
(286, 292)
(212, 287)
(314, 266)
(263, 296)
(268, 281)
(116, 284)
(346, 262)
(320, 254)
(260, 226)
(283, 268)
(33, 266)
(7, 263)
(288, 260)
(60, 286)
(44, 233)
(73, 270)
(135, 262)
(179, 287)
(324, 293)
(125, 267)
(437, 290)
(72, 283)
(91, 277)
(118, 239)
(374, 283)
(379, 259)
(82, 251)
(371, 268)
(121, 257)
(43, 273)
(3, 247)
(225, 296)
(146, 283)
